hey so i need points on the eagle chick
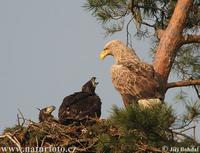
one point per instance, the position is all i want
(81, 105)
(45, 114)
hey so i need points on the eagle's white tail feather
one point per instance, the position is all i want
(147, 103)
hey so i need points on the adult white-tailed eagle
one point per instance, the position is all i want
(81, 105)
(133, 78)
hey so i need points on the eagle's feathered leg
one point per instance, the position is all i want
(128, 100)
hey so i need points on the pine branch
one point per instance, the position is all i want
(149, 7)
(184, 135)
(147, 24)
(187, 39)
(183, 83)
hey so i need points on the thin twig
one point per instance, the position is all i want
(186, 129)
(183, 126)
(86, 148)
(43, 141)
(147, 24)
(18, 120)
(37, 143)
(196, 89)
(22, 116)
(184, 135)
(127, 31)
(194, 132)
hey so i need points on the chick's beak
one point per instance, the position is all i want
(94, 82)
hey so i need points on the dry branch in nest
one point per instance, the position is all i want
(84, 138)
(51, 134)
(96, 136)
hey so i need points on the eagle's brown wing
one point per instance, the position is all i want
(134, 81)
(78, 106)
(139, 67)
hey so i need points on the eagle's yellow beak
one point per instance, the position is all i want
(103, 54)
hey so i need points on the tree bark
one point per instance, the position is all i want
(187, 39)
(170, 42)
(183, 83)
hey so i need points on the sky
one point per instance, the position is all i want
(48, 50)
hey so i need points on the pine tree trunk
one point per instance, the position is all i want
(170, 42)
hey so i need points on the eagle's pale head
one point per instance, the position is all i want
(111, 48)
(119, 51)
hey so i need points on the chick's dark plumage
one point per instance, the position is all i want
(81, 105)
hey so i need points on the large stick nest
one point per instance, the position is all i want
(51, 134)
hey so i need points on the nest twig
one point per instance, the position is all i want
(13, 139)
